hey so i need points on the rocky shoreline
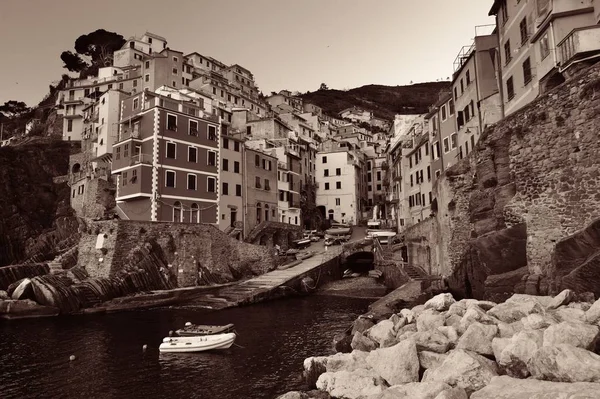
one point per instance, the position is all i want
(524, 348)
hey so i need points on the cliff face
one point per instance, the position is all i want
(35, 216)
(517, 215)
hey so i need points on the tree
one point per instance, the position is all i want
(92, 50)
(323, 87)
(13, 108)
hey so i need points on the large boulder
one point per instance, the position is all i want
(362, 324)
(398, 364)
(564, 363)
(413, 390)
(463, 369)
(511, 311)
(592, 315)
(536, 321)
(430, 320)
(505, 387)
(432, 340)
(565, 313)
(478, 338)
(440, 302)
(317, 365)
(513, 357)
(507, 330)
(351, 384)
(342, 343)
(577, 334)
(563, 298)
(431, 360)
(451, 333)
(381, 331)
(362, 343)
(472, 315)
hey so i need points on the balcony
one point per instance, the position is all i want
(127, 134)
(294, 204)
(73, 100)
(579, 43)
(141, 159)
(73, 115)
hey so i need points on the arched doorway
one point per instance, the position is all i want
(194, 214)
(76, 168)
(258, 212)
(177, 212)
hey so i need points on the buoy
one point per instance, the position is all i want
(144, 347)
(187, 324)
(72, 357)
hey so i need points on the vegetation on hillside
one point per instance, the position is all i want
(92, 51)
(384, 101)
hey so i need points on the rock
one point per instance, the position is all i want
(21, 309)
(486, 305)
(463, 369)
(399, 322)
(512, 311)
(478, 338)
(457, 308)
(580, 335)
(294, 395)
(543, 300)
(391, 341)
(584, 306)
(362, 343)
(429, 320)
(432, 340)
(405, 329)
(3, 295)
(315, 366)
(450, 333)
(564, 298)
(522, 346)
(342, 343)
(398, 364)
(472, 315)
(587, 297)
(505, 387)
(440, 302)
(351, 384)
(417, 310)
(453, 393)
(413, 390)
(453, 320)
(431, 360)
(408, 315)
(362, 324)
(498, 345)
(564, 363)
(381, 331)
(537, 321)
(592, 315)
(507, 330)
(24, 290)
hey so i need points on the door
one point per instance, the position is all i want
(233, 216)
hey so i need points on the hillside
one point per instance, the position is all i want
(384, 101)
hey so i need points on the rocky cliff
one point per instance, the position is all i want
(520, 213)
(35, 216)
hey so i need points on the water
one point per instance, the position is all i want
(276, 338)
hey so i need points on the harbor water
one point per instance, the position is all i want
(273, 340)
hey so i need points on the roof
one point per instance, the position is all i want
(150, 34)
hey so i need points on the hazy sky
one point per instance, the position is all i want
(291, 44)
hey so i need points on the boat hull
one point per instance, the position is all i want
(197, 344)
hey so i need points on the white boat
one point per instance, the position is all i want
(197, 343)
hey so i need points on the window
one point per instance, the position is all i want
(257, 182)
(524, 31)
(338, 171)
(118, 153)
(467, 148)
(136, 103)
(338, 185)
(238, 190)
(326, 186)
(212, 158)
(174, 71)
(169, 178)
(236, 146)
(462, 86)
(379, 187)
(369, 188)
(124, 178)
(192, 154)
(146, 78)
(411, 180)
(324, 159)
(326, 172)
(225, 188)
(454, 140)
(211, 184)
(337, 202)
(455, 93)
(428, 173)
(507, 53)
(527, 71)
(378, 175)
(70, 125)
(171, 122)
(134, 83)
(369, 178)
(444, 116)
(451, 107)
(438, 173)
(510, 89)
(236, 167)
(192, 181)
(171, 150)
(212, 133)
(472, 142)
(446, 145)
(193, 128)
(225, 143)
(194, 214)
(468, 77)
(544, 47)
(147, 64)
(257, 161)
(267, 187)
(504, 13)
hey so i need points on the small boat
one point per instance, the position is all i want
(197, 343)
(191, 330)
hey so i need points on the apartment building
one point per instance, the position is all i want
(309, 144)
(538, 40)
(394, 176)
(376, 167)
(285, 100)
(136, 49)
(418, 183)
(243, 79)
(261, 188)
(340, 193)
(288, 183)
(476, 94)
(315, 109)
(441, 121)
(231, 176)
(166, 159)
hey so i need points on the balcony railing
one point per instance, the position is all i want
(579, 42)
(127, 134)
(141, 158)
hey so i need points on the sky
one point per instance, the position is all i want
(287, 44)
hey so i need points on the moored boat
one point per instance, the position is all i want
(191, 330)
(197, 343)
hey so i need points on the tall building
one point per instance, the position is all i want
(261, 188)
(166, 158)
(231, 176)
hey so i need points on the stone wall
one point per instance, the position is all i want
(532, 181)
(193, 254)
(418, 239)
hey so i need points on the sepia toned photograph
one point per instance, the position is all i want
(300, 199)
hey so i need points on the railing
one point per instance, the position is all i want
(128, 134)
(70, 99)
(141, 158)
(581, 40)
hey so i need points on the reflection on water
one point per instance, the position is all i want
(266, 360)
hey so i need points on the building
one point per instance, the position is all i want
(418, 194)
(135, 49)
(476, 95)
(340, 189)
(442, 133)
(261, 188)
(285, 99)
(166, 159)
(356, 114)
(231, 176)
(539, 40)
(314, 109)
